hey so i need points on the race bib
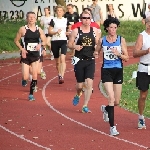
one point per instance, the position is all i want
(148, 69)
(110, 56)
(71, 23)
(32, 46)
(75, 60)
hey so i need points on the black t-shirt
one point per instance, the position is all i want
(72, 17)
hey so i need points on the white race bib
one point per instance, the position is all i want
(110, 56)
(148, 69)
(75, 60)
(32, 46)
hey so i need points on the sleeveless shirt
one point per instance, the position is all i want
(109, 59)
(87, 40)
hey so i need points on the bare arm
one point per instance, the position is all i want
(42, 37)
(137, 52)
(125, 55)
(19, 34)
(72, 36)
(101, 16)
(97, 35)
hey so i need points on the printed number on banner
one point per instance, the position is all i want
(31, 46)
(75, 60)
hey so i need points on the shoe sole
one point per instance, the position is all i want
(143, 128)
(114, 134)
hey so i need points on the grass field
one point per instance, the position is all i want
(130, 93)
(128, 29)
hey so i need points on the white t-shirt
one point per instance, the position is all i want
(145, 59)
(46, 20)
(59, 24)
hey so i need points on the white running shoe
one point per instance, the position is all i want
(113, 131)
(43, 75)
(105, 113)
(141, 124)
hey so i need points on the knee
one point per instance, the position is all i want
(142, 98)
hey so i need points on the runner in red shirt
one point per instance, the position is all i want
(93, 24)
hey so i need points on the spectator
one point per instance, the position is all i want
(146, 14)
(110, 11)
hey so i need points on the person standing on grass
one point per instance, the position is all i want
(45, 20)
(142, 50)
(146, 14)
(110, 11)
(83, 39)
(30, 36)
(58, 30)
(96, 12)
(114, 51)
(72, 17)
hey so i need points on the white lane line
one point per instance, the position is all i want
(23, 138)
(84, 125)
(13, 133)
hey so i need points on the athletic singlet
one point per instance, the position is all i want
(62, 24)
(46, 21)
(31, 40)
(145, 59)
(87, 40)
(109, 59)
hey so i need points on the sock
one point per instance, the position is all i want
(41, 69)
(106, 108)
(111, 115)
(30, 77)
(32, 86)
(141, 117)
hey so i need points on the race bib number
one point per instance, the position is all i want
(32, 46)
(75, 60)
(110, 56)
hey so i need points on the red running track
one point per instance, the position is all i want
(52, 122)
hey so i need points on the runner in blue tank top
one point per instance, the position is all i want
(114, 51)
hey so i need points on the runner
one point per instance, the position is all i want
(57, 29)
(142, 50)
(114, 51)
(45, 20)
(29, 47)
(85, 38)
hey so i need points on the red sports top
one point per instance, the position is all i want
(78, 24)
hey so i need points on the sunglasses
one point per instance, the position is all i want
(85, 18)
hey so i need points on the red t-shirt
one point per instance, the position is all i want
(78, 24)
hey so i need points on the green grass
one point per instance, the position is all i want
(130, 93)
(128, 29)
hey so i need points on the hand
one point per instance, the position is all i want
(78, 47)
(115, 51)
(24, 53)
(95, 54)
(59, 30)
(38, 47)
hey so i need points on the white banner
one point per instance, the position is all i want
(132, 10)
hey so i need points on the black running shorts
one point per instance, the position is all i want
(142, 81)
(114, 75)
(84, 69)
(30, 58)
(59, 44)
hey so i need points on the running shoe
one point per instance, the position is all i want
(105, 113)
(141, 124)
(76, 100)
(31, 98)
(43, 75)
(85, 109)
(113, 131)
(61, 80)
(24, 83)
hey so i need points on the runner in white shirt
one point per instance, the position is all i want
(45, 20)
(58, 30)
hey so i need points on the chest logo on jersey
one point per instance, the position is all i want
(87, 41)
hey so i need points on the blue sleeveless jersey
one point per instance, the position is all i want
(109, 59)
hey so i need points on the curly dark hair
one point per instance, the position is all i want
(108, 21)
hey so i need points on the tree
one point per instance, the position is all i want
(61, 2)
